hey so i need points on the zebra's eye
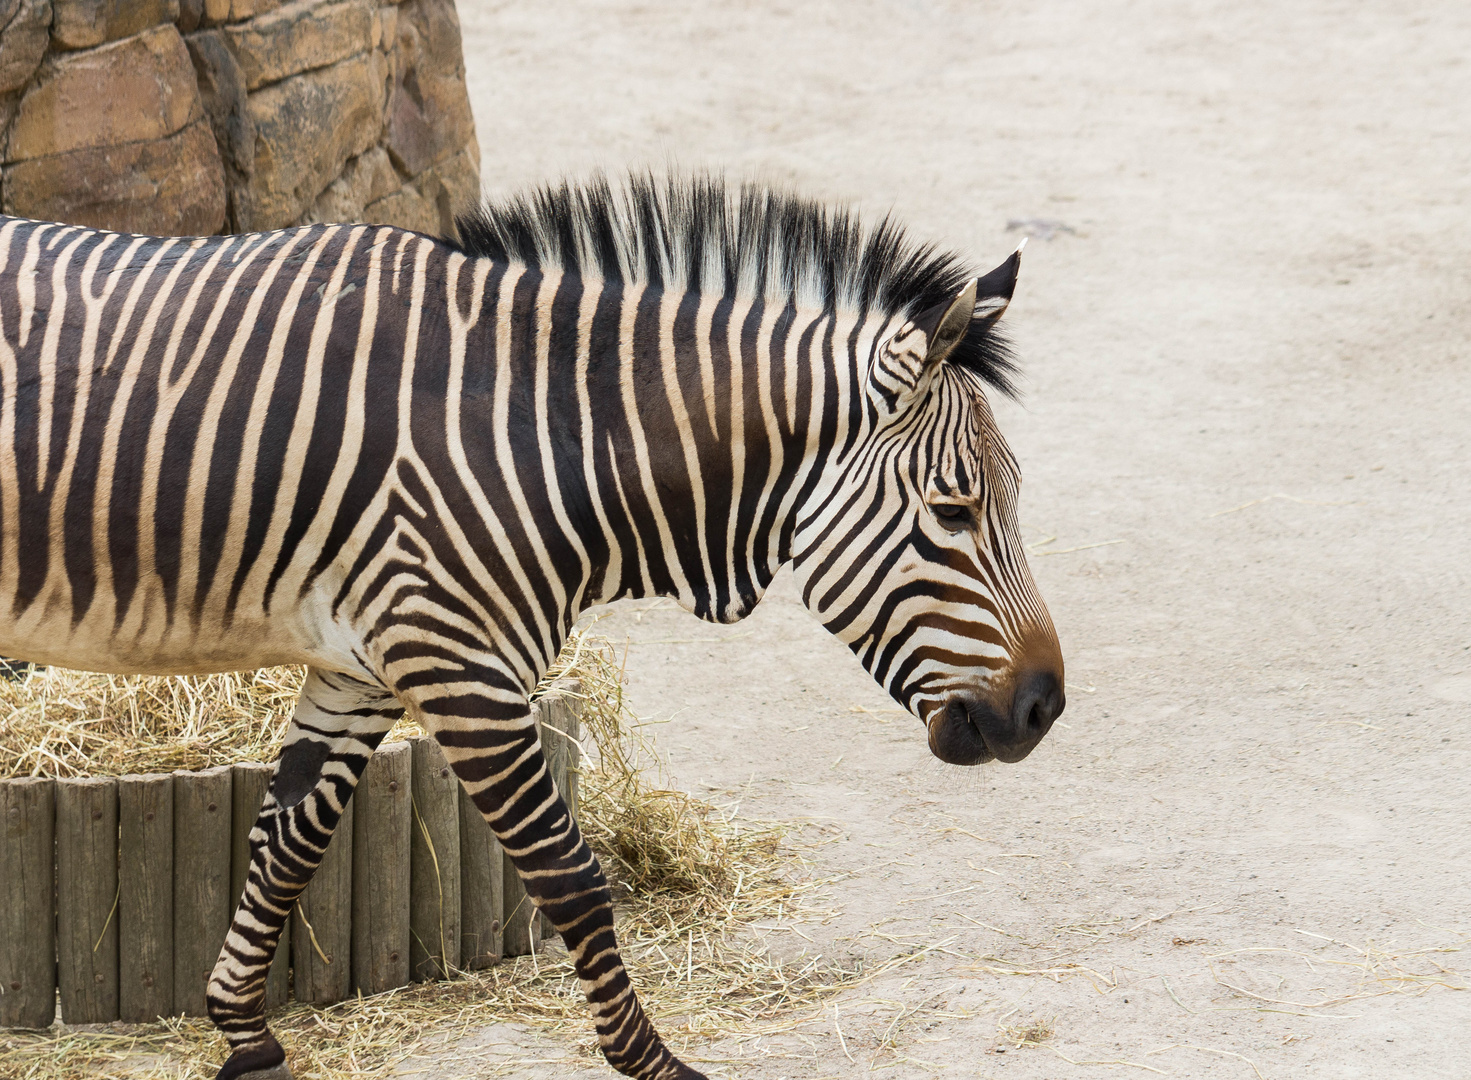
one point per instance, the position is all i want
(953, 516)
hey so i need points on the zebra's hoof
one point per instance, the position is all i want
(275, 1072)
(263, 1062)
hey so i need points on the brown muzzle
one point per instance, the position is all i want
(970, 729)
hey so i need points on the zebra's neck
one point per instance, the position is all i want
(663, 441)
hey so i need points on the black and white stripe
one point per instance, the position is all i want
(411, 465)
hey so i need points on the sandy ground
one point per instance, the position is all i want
(1247, 376)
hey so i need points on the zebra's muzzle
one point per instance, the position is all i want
(955, 732)
(969, 730)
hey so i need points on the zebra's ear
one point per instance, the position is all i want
(905, 362)
(947, 331)
(994, 291)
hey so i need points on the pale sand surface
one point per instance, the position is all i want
(1264, 297)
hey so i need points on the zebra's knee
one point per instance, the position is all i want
(299, 770)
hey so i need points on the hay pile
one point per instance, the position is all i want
(690, 881)
(55, 722)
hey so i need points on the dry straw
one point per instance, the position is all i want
(690, 881)
(56, 722)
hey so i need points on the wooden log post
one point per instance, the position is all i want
(434, 889)
(567, 718)
(251, 782)
(382, 839)
(521, 927)
(145, 904)
(202, 903)
(27, 898)
(482, 890)
(521, 924)
(321, 939)
(561, 726)
(86, 895)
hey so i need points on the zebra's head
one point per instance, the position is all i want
(842, 370)
(910, 552)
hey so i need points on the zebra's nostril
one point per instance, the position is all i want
(956, 734)
(1038, 703)
(1035, 718)
(1045, 710)
(957, 712)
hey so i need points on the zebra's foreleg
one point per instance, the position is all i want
(499, 759)
(339, 721)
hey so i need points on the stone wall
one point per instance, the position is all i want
(201, 116)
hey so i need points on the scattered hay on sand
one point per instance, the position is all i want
(1033, 1032)
(689, 881)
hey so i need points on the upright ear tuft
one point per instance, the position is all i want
(906, 362)
(961, 330)
(994, 291)
(984, 349)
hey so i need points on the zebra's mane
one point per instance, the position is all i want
(697, 232)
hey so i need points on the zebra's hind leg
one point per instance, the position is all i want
(493, 746)
(338, 723)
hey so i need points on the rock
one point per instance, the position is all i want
(9, 103)
(437, 49)
(365, 179)
(222, 94)
(461, 175)
(221, 12)
(267, 114)
(408, 208)
(81, 24)
(459, 179)
(23, 41)
(388, 26)
(429, 113)
(430, 202)
(246, 9)
(170, 186)
(191, 15)
(139, 89)
(306, 128)
(301, 36)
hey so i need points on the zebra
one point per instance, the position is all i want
(410, 464)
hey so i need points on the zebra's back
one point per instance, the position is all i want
(192, 430)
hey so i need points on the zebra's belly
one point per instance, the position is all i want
(148, 639)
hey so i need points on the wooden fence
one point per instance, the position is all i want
(117, 892)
